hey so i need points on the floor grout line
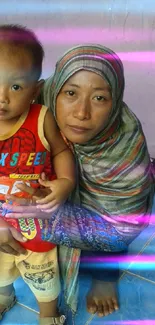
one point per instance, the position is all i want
(141, 251)
(130, 273)
(26, 307)
(90, 319)
(140, 277)
(146, 244)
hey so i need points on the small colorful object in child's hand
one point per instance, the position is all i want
(6, 211)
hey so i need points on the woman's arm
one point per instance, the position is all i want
(77, 227)
(73, 226)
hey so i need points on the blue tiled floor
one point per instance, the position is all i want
(136, 291)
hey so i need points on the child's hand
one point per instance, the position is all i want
(60, 190)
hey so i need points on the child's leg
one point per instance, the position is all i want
(8, 274)
(7, 290)
(49, 313)
(7, 299)
(49, 309)
(41, 272)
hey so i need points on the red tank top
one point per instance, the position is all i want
(24, 155)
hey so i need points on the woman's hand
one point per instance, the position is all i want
(8, 239)
(23, 211)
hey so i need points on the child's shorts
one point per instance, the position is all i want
(39, 270)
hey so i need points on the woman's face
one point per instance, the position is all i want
(83, 106)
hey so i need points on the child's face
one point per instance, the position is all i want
(17, 90)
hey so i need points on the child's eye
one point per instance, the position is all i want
(16, 87)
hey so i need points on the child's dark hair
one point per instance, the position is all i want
(23, 37)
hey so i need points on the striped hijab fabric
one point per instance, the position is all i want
(114, 167)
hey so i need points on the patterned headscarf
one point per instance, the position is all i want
(114, 166)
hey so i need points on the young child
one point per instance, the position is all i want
(29, 141)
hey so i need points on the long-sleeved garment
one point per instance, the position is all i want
(77, 227)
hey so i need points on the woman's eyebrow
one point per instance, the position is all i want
(95, 88)
(107, 89)
(73, 85)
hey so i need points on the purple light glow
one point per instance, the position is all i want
(130, 322)
(121, 259)
(87, 35)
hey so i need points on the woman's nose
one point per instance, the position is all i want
(82, 110)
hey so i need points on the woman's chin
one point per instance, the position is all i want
(77, 139)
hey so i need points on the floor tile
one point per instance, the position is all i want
(144, 264)
(82, 315)
(139, 245)
(19, 315)
(136, 247)
(137, 302)
(25, 297)
(152, 219)
(137, 299)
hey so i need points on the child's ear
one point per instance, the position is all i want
(39, 86)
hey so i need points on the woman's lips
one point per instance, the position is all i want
(78, 129)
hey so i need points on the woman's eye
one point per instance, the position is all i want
(70, 92)
(99, 98)
(16, 87)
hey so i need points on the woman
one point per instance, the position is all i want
(115, 184)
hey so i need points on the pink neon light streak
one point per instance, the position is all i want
(74, 35)
(130, 322)
(121, 259)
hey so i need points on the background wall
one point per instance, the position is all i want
(127, 26)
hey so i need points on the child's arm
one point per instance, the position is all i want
(64, 166)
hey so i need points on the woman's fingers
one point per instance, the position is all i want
(9, 250)
(17, 200)
(18, 236)
(52, 209)
(47, 206)
(39, 215)
(20, 209)
(9, 244)
(17, 215)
